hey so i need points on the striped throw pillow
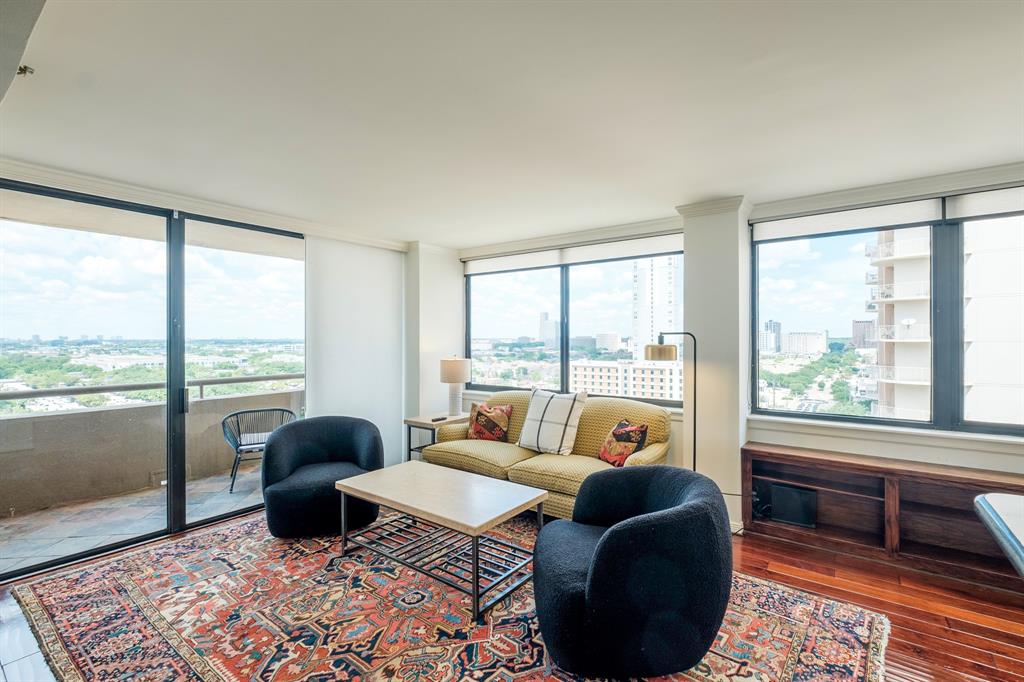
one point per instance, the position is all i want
(551, 421)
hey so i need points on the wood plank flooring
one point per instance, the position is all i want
(942, 629)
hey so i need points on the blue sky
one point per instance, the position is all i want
(61, 282)
(509, 304)
(814, 284)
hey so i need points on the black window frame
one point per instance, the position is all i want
(946, 323)
(564, 340)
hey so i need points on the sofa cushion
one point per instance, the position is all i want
(551, 421)
(623, 441)
(601, 415)
(557, 473)
(487, 457)
(489, 422)
(520, 402)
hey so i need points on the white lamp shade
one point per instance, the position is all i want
(454, 370)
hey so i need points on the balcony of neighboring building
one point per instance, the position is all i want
(901, 291)
(889, 374)
(78, 478)
(901, 333)
(894, 412)
(900, 249)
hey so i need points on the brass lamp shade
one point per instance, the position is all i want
(661, 352)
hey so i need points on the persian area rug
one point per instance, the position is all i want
(232, 603)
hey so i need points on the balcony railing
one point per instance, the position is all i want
(871, 278)
(902, 332)
(918, 247)
(893, 412)
(899, 375)
(901, 291)
(83, 453)
(201, 384)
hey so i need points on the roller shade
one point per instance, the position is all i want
(629, 248)
(890, 215)
(978, 204)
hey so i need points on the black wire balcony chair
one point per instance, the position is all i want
(246, 432)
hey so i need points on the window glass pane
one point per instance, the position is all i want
(994, 320)
(844, 324)
(615, 309)
(244, 351)
(83, 350)
(514, 322)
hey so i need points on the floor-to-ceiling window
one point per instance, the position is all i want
(244, 356)
(83, 349)
(127, 334)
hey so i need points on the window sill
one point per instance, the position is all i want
(955, 440)
(675, 413)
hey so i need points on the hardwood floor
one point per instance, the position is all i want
(942, 629)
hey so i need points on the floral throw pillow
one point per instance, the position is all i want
(489, 422)
(623, 441)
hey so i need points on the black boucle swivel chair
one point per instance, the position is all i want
(636, 585)
(301, 463)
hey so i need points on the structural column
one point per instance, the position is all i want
(716, 309)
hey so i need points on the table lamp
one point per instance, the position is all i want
(455, 373)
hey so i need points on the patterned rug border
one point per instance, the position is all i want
(59, 660)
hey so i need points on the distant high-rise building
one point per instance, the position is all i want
(631, 378)
(35, 339)
(767, 342)
(776, 329)
(657, 300)
(586, 343)
(608, 341)
(864, 333)
(548, 332)
(804, 343)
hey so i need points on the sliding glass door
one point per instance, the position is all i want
(244, 358)
(130, 338)
(83, 353)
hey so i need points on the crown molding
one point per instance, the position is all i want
(599, 235)
(713, 206)
(22, 171)
(992, 177)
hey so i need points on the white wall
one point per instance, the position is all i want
(354, 332)
(435, 323)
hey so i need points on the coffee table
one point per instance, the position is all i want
(442, 527)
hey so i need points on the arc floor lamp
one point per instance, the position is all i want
(670, 352)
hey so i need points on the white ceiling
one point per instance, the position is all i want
(473, 123)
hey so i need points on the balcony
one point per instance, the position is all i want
(871, 278)
(78, 479)
(918, 376)
(902, 333)
(901, 249)
(901, 291)
(893, 412)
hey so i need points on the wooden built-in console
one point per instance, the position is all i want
(920, 515)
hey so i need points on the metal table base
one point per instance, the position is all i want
(473, 565)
